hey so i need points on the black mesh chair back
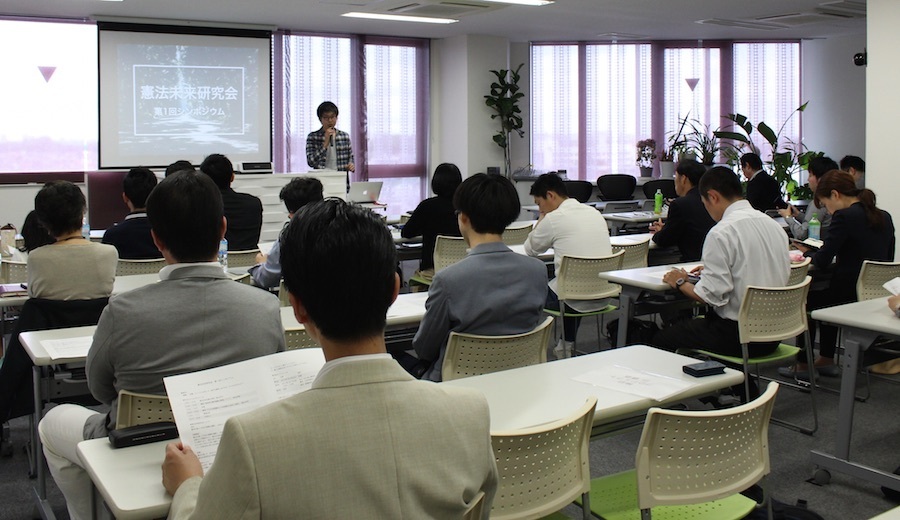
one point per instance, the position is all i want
(667, 186)
(616, 186)
(579, 190)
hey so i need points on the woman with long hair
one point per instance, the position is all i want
(859, 231)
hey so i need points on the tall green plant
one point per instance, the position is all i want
(504, 100)
(784, 162)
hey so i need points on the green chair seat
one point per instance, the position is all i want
(615, 498)
(783, 352)
(573, 314)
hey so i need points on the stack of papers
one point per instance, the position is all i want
(635, 382)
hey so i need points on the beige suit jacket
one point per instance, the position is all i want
(366, 441)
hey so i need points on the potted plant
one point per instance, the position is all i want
(675, 147)
(504, 100)
(646, 152)
(703, 143)
(785, 162)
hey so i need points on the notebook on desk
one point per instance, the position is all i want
(364, 192)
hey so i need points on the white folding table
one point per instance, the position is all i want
(861, 323)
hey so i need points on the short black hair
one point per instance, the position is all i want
(185, 212)
(752, 160)
(179, 165)
(819, 166)
(445, 180)
(549, 182)
(60, 207)
(691, 169)
(34, 235)
(490, 201)
(137, 185)
(852, 161)
(326, 107)
(339, 260)
(219, 168)
(300, 192)
(723, 180)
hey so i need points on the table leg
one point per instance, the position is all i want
(855, 342)
(626, 311)
(43, 506)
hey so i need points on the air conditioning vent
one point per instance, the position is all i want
(441, 9)
(745, 24)
(796, 19)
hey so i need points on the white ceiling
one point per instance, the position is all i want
(566, 20)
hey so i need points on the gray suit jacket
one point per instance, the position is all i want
(366, 441)
(197, 319)
(493, 291)
(800, 228)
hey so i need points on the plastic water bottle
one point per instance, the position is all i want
(223, 254)
(815, 228)
(658, 202)
(85, 227)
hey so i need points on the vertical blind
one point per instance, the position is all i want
(592, 103)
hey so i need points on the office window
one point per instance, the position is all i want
(591, 103)
(618, 108)
(49, 89)
(767, 88)
(396, 93)
(555, 108)
(692, 89)
(315, 69)
(589, 127)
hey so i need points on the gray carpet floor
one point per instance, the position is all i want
(876, 442)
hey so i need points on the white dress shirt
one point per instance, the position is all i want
(746, 247)
(572, 229)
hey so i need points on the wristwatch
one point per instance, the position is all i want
(679, 282)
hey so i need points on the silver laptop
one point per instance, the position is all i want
(364, 192)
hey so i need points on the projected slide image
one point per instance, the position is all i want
(188, 100)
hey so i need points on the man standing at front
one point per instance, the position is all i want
(571, 229)
(763, 192)
(366, 440)
(744, 248)
(243, 211)
(492, 291)
(194, 318)
(329, 148)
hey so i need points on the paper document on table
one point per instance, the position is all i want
(408, 305)
(893, 286)
(68, 348)
(636, 382)
(202, 401)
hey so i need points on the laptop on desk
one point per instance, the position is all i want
(364, 192)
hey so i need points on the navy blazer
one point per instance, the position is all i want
(244, 215)
(686, 226)
(850, 242)
(132, 239)
(764, 193)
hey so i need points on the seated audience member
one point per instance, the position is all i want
(369, 440)
(856, 167)
(295, 194)
(242, 211)
(131, 237)
(571, 229)
(194, 318)
(744, 248)
(493, 291)
(73, 267)
(33, 236)
(859, 231)
(763, 191)
(178, 166)
(434, 216)
(818, 167)
(688, 221)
